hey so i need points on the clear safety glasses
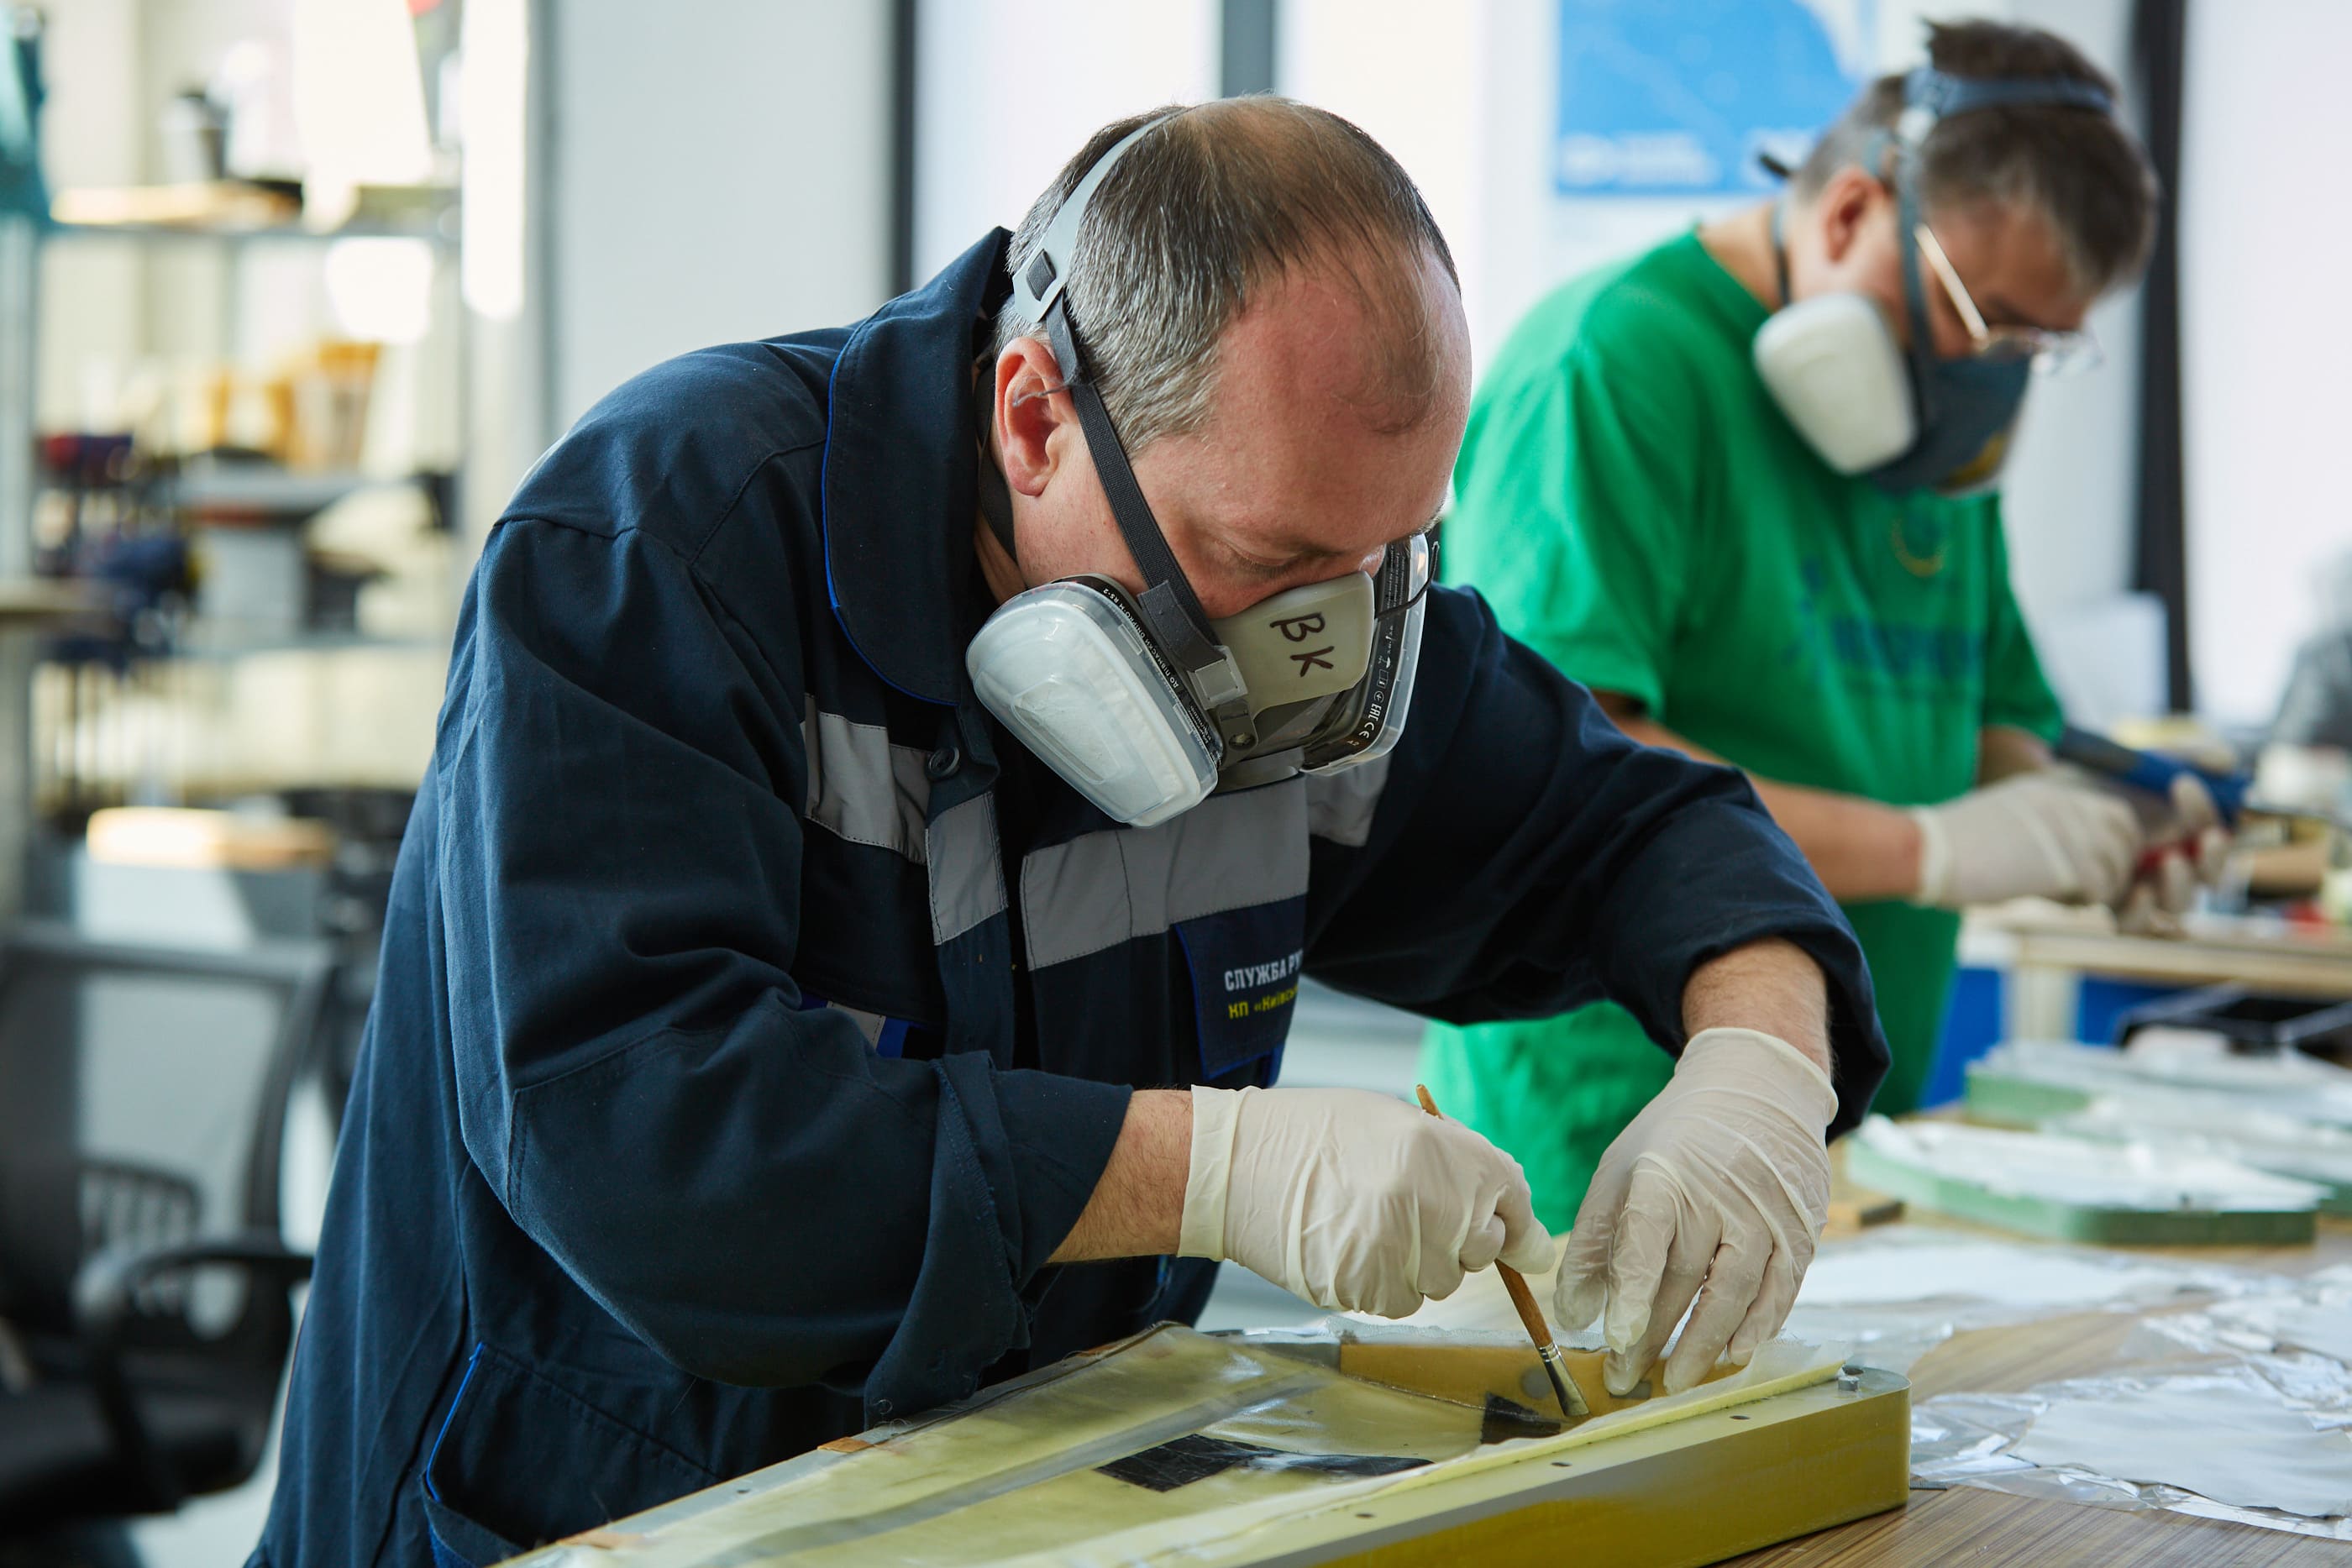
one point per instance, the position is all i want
(2050, 353)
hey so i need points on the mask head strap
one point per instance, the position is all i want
(1168, 604)
(1037, 296)
(1931, 95)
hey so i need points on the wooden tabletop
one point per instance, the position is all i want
(1990, 1528)
(2269, 954)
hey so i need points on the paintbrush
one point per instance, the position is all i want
(1571, 1402)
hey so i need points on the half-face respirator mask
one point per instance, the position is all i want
(1141, 702)
(1912, 419)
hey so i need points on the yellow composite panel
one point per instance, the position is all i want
(1014, 1477)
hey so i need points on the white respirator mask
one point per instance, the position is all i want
(1833, 365)
(1142, 703)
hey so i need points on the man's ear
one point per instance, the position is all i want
(1027, 414)
(1844, 205)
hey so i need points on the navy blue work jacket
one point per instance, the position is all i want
(755, 1018)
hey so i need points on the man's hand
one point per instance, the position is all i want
(2047, 834)
(2193, 847)
(1722, 1182)
(1351, 1199)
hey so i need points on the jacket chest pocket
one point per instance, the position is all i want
(1244, 965)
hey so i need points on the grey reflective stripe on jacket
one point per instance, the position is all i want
(1339, 805)
(1227, 852)
(867, 789)
(861, 787)
(966, 866)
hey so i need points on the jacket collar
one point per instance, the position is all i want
(901, 475)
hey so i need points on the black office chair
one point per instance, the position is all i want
(145, 1310)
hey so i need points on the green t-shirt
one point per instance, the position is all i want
(1638, 510)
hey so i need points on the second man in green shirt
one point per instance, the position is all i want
(1783, 552)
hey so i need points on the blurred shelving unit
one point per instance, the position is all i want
(256, 675)
(160, 721)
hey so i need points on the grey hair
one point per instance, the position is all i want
(1215, 202)
(2083, 171)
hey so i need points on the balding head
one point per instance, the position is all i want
(1214, 205)
(1274, 323)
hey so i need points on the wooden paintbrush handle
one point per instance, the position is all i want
(1523, 1299)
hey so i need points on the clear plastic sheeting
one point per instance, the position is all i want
(2297, 1335)
(2225, 1437)
(1003, 1478)
(1171, 1447)
(2221, 1442)
(2230, 1412)
(1897, 1293)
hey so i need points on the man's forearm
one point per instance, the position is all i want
(1138, 1207)
(1861, 849)
(1773, 985)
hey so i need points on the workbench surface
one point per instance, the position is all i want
(2271, 956)
(1987, 1529)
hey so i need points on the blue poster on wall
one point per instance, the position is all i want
(1676, 98)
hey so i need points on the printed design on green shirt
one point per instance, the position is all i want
(1918, 543)
(1878, 654)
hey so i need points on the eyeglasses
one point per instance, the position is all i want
(2049, 352)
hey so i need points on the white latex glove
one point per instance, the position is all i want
(1722, 1179)
(2049, 834)
(1351, 1199)
(2195, 847)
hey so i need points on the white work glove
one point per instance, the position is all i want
(2049, 834)
(1722, 1179)
(1351, 1199)
(2194, 847)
